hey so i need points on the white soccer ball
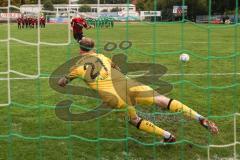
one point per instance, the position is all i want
(184, 57)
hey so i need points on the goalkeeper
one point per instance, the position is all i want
(118, 91)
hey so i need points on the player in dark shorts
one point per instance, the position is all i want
(78, 23)
(30, 22)
(42, 22)
(19, 22)
(25, 19)
(22, 22)
(35, 21)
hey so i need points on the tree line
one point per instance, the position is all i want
(195, 7)
(4, 3)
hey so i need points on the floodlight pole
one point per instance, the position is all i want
(98, 6)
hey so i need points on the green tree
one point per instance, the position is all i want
(60, 1)
(222, 6)
(48, 5)
(13, 2)
(85, 8)
(197, 7)
(87, 1)
(31, 1)
(22, 2)
(3, 3)
(140, 6)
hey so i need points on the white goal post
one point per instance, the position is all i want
(10, 38)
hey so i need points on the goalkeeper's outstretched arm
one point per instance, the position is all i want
(74, 73)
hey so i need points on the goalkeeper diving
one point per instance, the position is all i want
(118, 91)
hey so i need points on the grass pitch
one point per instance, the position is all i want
(208, 83)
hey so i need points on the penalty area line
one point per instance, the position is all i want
(138, 75)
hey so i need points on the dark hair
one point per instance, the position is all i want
(86, 44)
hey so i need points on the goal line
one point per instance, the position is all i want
(32, 77)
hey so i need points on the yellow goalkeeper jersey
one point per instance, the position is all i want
(96, 70)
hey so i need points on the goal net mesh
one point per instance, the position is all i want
(208, 83)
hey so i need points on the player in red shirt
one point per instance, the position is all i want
(19, 22)
(29, 21)
(78, 23)
(25, 20)
(22, 22)
(32, 21)
(35, 19)
(42, 21)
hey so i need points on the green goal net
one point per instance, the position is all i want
(208, 83)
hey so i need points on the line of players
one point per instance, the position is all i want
(30, 22)
(101, 22)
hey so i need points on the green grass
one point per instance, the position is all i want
(31, 114)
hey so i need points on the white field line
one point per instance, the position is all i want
(3, 73)
(23, 42)
(55, 44)
(202, 74)
(186, 74)
(224, 145)
(6, 104)
(25, 75)
(134, 42)
(3, 40)
(37, 44)
(31, 77)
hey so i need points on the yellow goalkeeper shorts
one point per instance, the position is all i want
(122, 93)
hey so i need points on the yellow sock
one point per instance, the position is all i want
(176, 106)
(149, 127)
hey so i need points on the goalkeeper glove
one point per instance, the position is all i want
(63, 81)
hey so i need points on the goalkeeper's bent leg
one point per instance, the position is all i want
(147, 126)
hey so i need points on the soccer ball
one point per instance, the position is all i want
(184, 57)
